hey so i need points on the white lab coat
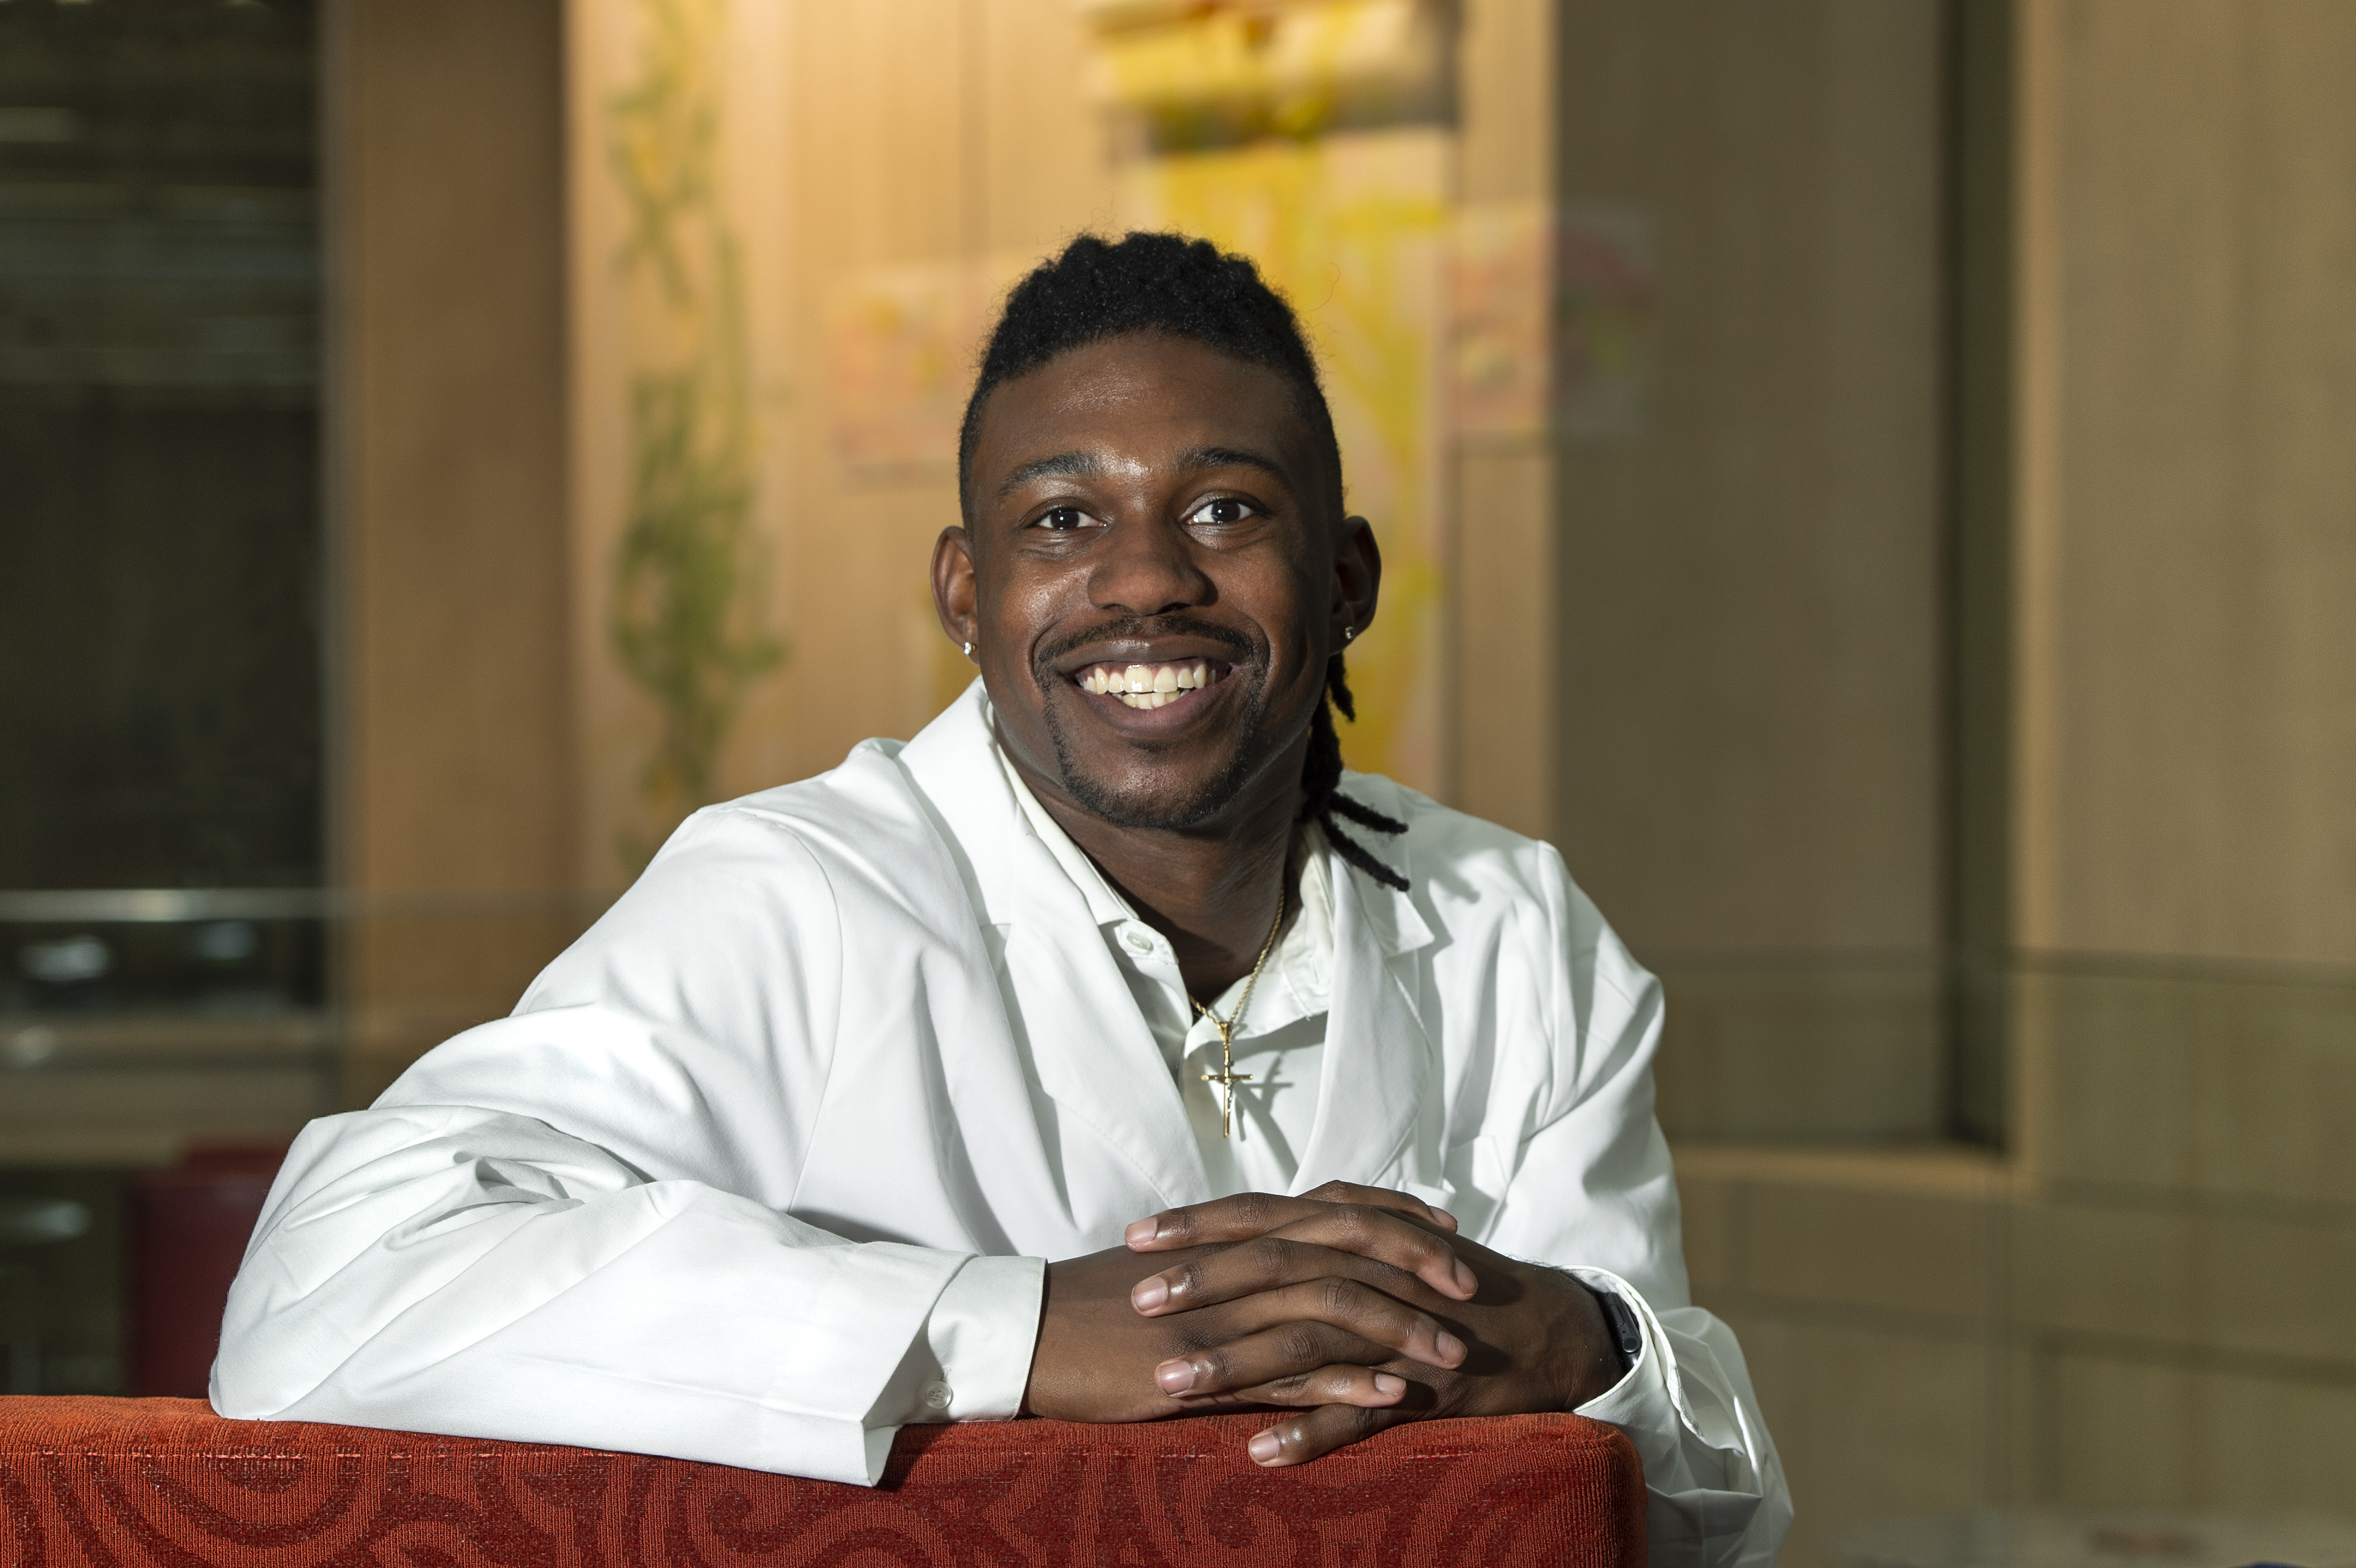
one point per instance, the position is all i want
(768, 1162)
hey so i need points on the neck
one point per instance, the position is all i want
(1214, 892)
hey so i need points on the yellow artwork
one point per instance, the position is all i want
(1353, 229)
(1227, 73)
(1553, 321)
(897, 359)
(1603, 313)
(1498, 290)
(901, 345)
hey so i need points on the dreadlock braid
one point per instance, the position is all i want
(1321, 775)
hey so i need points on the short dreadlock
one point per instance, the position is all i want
(1100, 289)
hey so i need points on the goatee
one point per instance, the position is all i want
(1156, 813)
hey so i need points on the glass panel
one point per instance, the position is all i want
(160, 548)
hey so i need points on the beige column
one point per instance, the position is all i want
(1508, 716)
(2188, 561)
(452, 754)
(2185, 863)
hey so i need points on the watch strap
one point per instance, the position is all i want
(1625, 1327)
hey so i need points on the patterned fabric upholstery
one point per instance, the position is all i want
(90, 1482)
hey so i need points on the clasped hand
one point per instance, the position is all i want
(1360, 1307)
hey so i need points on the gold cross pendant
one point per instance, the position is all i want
(1226, 1078)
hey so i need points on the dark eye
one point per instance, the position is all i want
(1226, 510)
(1063, 519)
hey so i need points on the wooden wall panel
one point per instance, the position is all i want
(2188, 684)
(1507, 701)
(447, 229)
(454, 760)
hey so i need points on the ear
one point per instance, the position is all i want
(956, 594)
(1357, 581)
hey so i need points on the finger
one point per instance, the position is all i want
(1388, 1236)
(1271, 1262)
(1342, 1383)
(1348, 1304)
(1302, 1438)
(1273, 1355)
(1383, 1198)
(1284, 1333)
(1249, 1214)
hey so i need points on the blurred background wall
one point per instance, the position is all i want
(1868, 479)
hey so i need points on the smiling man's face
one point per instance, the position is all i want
(1149, 513)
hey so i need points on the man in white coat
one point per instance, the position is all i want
(1104, 1053)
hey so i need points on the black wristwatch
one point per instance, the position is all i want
(1624, 1327)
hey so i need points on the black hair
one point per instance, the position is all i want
(1099, 289)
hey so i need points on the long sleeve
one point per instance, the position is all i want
(572, 1225)
(1717, 1497)
(449, 1269)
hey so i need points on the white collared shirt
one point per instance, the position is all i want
(772, 1158)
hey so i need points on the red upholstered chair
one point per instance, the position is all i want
(89, 1482)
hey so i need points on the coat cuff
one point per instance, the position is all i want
(1643, 1402)
(972, 1362)
(982, 1333)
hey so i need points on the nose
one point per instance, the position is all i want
(1148, 567)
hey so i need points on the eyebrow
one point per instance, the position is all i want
(1088, 465)
(1063, 464)
(1233, 457)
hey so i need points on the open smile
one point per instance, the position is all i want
(1151, 685)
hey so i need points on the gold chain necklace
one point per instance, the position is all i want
(1226, 1078)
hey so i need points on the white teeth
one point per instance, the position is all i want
(1146, 685)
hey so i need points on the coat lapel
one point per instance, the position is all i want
(1378, 1057)
(1090, 1045)
(1087, 1042)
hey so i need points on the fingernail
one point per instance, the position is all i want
(1466, 1279)
(1448, 1219)
(1264, 1448)
(1141, 1232)
(1389, 1383)
(1450, 1348)
(1174, 1377)
(1149, 1293)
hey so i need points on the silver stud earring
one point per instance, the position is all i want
(1349, 633)
(969, 650)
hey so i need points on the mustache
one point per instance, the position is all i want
(1145, 628)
